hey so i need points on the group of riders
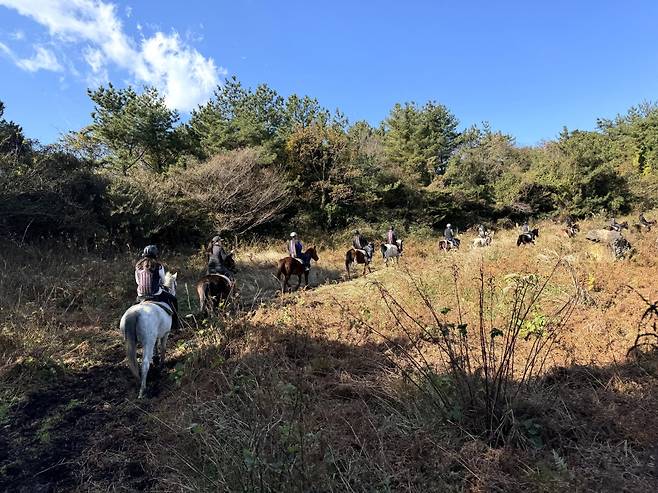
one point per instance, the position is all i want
(150, 274)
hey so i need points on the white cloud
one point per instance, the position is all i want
(43, 59)
(185, 76)
(18, 35)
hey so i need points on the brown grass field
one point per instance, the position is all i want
(345, 386)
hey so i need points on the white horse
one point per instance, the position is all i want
(147, 323)
(390, 251)
(483, 242)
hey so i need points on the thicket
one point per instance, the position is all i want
(252, 160)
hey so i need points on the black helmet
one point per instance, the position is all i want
(150, 251)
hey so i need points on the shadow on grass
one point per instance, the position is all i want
(306, 413)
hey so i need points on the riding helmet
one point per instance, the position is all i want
(293, 234)
(150, 251)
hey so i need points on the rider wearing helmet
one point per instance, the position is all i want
(482, 231)
(150, 278)
(449, 235)
(217, 257)
(296, 250)
(359, 242)
(525, 229)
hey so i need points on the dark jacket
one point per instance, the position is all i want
(359, 242)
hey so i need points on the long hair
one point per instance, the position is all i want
(148, 263)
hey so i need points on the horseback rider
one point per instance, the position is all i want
(359, 242)
(392, 238)
(482, 231)
(614, 225)
(150, 278)
(644, 221)
(217, 257)
(296, 250)
(449, 235)
(525, 229)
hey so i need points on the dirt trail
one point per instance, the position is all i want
(75, 433)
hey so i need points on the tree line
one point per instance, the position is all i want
(252, 160)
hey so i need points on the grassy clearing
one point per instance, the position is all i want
(323, 389)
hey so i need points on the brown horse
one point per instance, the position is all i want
(353, 256)
(213, 290)
(289, 266)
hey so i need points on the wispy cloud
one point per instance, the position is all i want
(184, 75)
(43, 59)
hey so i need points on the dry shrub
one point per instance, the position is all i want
(238, 190)
(476, 373)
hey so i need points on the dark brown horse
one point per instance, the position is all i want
(214, 290)
(354, 256)
(289, 266)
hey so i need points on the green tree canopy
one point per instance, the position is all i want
(130, 129)
(420, 140)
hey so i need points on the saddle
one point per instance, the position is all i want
(165, 306)
(231, 282)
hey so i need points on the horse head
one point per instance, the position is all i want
(313, 253)
(170, 282)
(535, 232)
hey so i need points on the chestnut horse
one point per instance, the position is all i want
(289, 266)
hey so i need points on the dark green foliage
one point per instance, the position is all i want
(420, 140)
(130, 129)
(176, 181)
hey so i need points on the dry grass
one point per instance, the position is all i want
(294, 393)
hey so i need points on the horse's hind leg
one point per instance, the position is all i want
(146, 363)
(162, 346)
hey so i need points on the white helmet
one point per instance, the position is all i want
(293, 234)
(448, 225)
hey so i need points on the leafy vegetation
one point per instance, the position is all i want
(417, 168)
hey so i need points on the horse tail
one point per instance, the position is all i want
(129, 329)
(279, 270)
(383, 250)
(202, 293)
(519, 240)
(348, 260)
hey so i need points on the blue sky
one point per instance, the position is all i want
(527, 67)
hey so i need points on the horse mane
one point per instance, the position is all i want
(170, 279)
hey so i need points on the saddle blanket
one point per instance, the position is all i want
(162, 305)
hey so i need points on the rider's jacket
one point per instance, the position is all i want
(295, 248)
(391, 238)
(359, 242)
(448, 234)
(149, 276)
